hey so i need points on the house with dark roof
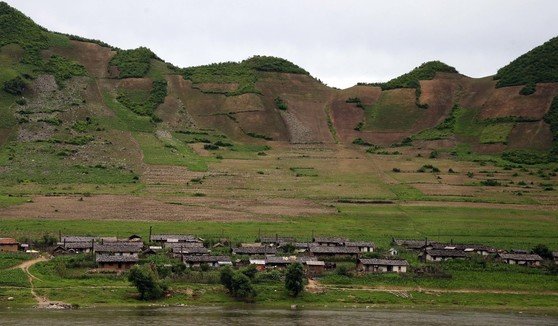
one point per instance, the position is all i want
(177, 251)
(211, 261)
(77, 247)
(330, 241)
(118, 248)
(382, 265)
(276, 240)
(469, 248)
(255, 250)
(335, 252)
(521, 259)
(442, 254)
(8, 245)
(363, 246)
(76, 239)
(162, 238)
(411, 244)
(172, 245)
(115, 263)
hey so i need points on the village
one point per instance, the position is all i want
(321, 254)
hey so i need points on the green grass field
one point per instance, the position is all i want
(503, 228)
(395, 110)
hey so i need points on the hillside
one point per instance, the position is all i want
(77, 110)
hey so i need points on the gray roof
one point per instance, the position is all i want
(526, 257)
(261, 250)
(178, 237)
(384, 262)
(278, 260)
(336, 240)
(446, 253)
(182, 244)
(78, 245)
(334, 250)
(277, 240)
(116, 259)
(113, 247)
(304, 245)
(411, 243)
(359, 244)
(460, 246)
(77, 239)
(205, 259)
(189, 250)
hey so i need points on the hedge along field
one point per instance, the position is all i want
(503, 228)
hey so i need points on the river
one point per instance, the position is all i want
(243, 316)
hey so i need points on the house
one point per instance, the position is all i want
(411, 244)
(252, 251)
(259, 263)
(162, 238)
(472, 248)
(276, 240)
(76, 239)
(555, 256)
(8, 245)
(177, 251)
(172, 245)
(325, 241)
(118, 248)
(363, 246)
(521, 259)
(78, 247)
(442, 254)
(301, 247)
(328, 252)
(314, 267)
(382, 265)
(211, 261)
(116, 263)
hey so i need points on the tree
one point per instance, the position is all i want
(543, 251)
(294, 279)
(250, 271)
(226, 278)
(15, 86)
(146, 280)
(242, 288)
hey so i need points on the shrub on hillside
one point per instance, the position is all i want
(133, 63)
(15, 86)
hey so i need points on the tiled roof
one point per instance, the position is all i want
(334, 250)
(189, 250)
(261, 250)
(330, 240)
(526, 257)
(116, 259)
(77, 239)
(78, 245)
(205, 259)
(118, 247)
(384, 262)
(446, 253)
(8, 241)
(175, 237)
(359, 244)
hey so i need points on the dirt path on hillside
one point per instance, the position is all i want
(42, 302)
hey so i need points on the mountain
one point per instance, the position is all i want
(76, 109)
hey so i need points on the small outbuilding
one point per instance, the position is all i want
(211, 261)
(521, 259)
(382, 265)
(363, 246)
(8, 245)
(442, 254)
(115, 263)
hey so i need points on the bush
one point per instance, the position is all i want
(146, 280)
(15, 86)
(397, 170)
(242, 288)
(433, 154)
(210, 147)
(490, 183)
(543, 251)
(294, 279)
(528, 89)
(523, 156)
(133, 63)
(280, 104)
(226, 277)
(250, 271)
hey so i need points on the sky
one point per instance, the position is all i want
(340, 42)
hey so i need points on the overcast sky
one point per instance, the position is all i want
(340, 42)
